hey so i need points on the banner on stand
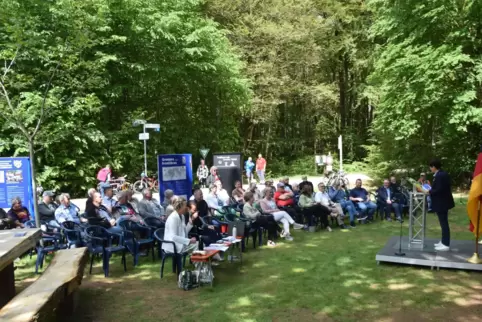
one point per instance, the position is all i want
(16, 181)
(175, 173)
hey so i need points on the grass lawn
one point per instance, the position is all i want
(318, 277)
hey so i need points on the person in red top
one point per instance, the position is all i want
(261, 168)
(282, 197)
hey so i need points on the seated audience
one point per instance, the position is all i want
(90, 196)
(208, 233)
(361, 199)
(150, 207)
(339, 195)
(322, 197)
(168, 194)
(213, 176)
(304, 182)
(66, 211)
(177, 231)
(386, 198)
(269, 184)
(396, 188)
(170, 207)
(202, 209)
(266, 221)
(311, 209)
(18, 213)
(268, 205)
(238, 192)
(286, 181)
(222, 194)
(253, 188)
(5, 221)
(98, 215)
(133, 201)
(124, 210)
(108, 200)
(212, 198)
(46, 209)
(283, 198)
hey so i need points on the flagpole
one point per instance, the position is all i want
(475, 259)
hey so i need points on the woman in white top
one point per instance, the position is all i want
(322, 197)
(269, 207)
(222, 194)
(177, 231)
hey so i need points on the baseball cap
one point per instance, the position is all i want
(280, 185)
(48, 193)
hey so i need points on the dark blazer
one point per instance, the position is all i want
(382, 195)
(441, 192)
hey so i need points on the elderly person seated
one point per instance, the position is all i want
(283, 197)
(311, 209)
(387, 199)
(46, 209)
(255, 191)
(124, 210)
(18, 214)
(270, 184)
(238, 192)
(322, 198)
(339, 195)
(304, 181)
(266, 221)
(177, 230)
(67, 211)
(222, 194)
(361, 198)
(150, 207)
(168, 194)
(108, 200)
(268, 205)
(98, 215)
(287, 186)
(213, 176)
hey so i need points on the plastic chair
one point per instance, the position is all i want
(100, 242)
(154, 222)
(133, 240)
(73, 233)
(178, 260)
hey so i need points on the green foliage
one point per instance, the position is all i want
(427, 75)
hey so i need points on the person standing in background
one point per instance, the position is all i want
(442, 202)
(202, 173)
(261, 168)
(249, 166)
(104, 176)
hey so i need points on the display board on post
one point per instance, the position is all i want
(229, 168)
(16, 181)
(175, 173)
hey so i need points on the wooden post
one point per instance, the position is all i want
(7, 282)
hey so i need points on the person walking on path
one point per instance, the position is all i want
(261, 168)
(249, 166)
(442, 202)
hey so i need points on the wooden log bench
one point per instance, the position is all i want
(52, 296)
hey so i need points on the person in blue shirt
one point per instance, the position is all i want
(66, 211)
(386, 198)
(361, 199)
(338, 195)
(108, 200)
(249, 166)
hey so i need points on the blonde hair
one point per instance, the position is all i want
(179, 203)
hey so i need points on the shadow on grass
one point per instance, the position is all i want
(317, 277)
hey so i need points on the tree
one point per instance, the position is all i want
(428, 76)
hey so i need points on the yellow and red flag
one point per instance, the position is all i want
(475, 196)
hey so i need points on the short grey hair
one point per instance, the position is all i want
(16, 200)
(64, 195)
(122, 194)
(146, 191)
(91, 192)
(266, 191)
(168, 193)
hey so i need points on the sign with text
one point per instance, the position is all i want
(175, 173)
(16, 181)
(143, 136)
(229, 169)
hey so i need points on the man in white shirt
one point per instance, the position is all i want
(323, 198)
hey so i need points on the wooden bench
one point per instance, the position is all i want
(52, 296)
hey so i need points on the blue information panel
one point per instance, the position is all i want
(175, 173)
(16, 181)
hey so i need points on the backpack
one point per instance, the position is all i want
(102, 174)
(188, 280)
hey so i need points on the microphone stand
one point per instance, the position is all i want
(399, 253)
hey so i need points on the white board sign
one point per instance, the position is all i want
(143, 136)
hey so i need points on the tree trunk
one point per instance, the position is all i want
(34, 184)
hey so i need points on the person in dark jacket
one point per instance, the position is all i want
(5, 221)
(98, 215)
(47, 207)
(387, 199)
(442, 202)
